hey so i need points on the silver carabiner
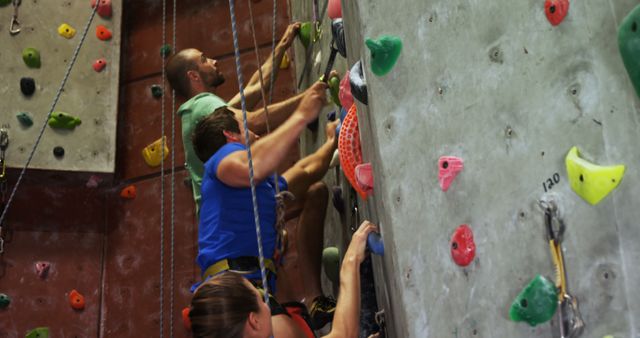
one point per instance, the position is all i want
(15, 27)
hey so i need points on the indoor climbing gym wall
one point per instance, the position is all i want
(38, 43)
(495, 144)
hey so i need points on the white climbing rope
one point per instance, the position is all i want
(162, 172)
(53, 106)
(248, 145)
(173, 182)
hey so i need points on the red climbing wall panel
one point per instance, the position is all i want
(132, 265)
(58, 220)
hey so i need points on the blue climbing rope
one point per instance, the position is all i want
(248, 145)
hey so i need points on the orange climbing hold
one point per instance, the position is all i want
(129, 192)
(76, 300)
(185, 318)
(350, 150)
(103, 33)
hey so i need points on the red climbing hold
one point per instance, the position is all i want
(334, 9)
(104, 10)
(103, 33)
(556, 10)
(129, 192)
(449, 167)
(350, 150)
(463, 249)
(76, 300)
(364, 177)
(186, 321)
(99, 65)
(42, 269)
(346, 99)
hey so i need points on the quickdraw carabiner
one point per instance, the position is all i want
(15, 26)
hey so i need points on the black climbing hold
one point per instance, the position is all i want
(313, 125)
(156, 91)
(58, 151)
(337, 30)
(337, 200)
(358, 84)
(27, 86)
(331, 116)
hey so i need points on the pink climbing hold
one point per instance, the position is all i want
(346, 99)
(334, 10)
(449, 167)
(104, 10)
(42, 269)
(364, 177)
(99, 65)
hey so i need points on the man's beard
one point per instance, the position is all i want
(212, 80)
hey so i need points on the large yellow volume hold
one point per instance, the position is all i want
(590, 181)
(153, 153)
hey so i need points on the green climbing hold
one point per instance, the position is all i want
(4, 301)
(62, 120)
(24, 119)
(629, 45)
(165, 50)
(156, 91)
(305, 33)
(331, 263)
(334, 89)
(40, 332)
(4, 2)
(31, 57)
(384, 53)
(537, 303)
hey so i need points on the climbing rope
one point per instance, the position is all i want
(173, 182)
(273, 49)
(162, 133)
(53, 106)
(172, 191)
(247, 144)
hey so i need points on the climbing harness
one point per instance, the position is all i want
(15, 27)
(571, 324)
(162, 189)
(53, 106)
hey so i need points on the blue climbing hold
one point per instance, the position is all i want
(375, 243)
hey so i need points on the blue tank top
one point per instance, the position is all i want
(227, 226)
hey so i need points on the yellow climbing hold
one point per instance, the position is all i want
(590, 181)
(152, 153)
(65, 30)
(284, 64)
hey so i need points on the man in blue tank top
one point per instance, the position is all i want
(227, 236)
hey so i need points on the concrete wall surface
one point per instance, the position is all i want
(89, 95)
(497, 85)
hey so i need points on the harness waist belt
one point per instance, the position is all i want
(242, 265)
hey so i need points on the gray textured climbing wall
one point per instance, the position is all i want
(496, 85)
(89, 95)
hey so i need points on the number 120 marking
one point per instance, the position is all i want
(550, 182)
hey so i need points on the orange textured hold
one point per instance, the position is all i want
(128, 192)
(76, 300)
(103, 33)
(350, 150)
(185, 318)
